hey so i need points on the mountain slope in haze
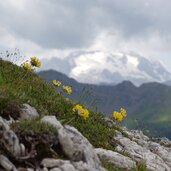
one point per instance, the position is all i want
(99, 67)
(148, 106)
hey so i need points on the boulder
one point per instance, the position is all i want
(115, 158)
(52, 121)
(66, 165)
(141, 154)
(75, 146)
(28, 111)
(163, 152)
(10, 140)
(6, 164)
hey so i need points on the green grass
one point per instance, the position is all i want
(35, 126)
(25, 86)
(20, 86)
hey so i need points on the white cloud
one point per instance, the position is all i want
(55, 28)
(89, 62)
(19, 5)
(133, 60)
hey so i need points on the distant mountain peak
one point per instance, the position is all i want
(100, 67)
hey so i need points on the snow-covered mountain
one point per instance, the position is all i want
(98, 67)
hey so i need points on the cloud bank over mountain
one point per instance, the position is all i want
(55, 28)
(99, 67)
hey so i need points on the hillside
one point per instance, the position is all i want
(18, 87)
(40, 131)
(149, 106)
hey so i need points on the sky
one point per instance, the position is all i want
(54, 28)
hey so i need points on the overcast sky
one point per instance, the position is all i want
(49, 28)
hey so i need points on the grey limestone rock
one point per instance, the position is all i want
(137, 146)
(6, 164)
(66, 165)
(74, 144)
(10, 140)
(115, 158)
(28, 111)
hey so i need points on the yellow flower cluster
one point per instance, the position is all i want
(81, 111)
(67, 89)
(123, 112)
(35, 62)
(119, 115)
(57, 83)
(27, 66)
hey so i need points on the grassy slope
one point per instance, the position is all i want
(18, 86)
(149, 103)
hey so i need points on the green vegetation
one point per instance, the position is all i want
(26, 87)
(149, 104)
(22, 86)
(18, 86)
(33, 126)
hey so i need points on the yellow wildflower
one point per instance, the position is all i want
(123, 112)
(83, 112)
(118, 116)
(77, 107)
(67, 89)
(27, 66)
(35, 62)
(57, 83)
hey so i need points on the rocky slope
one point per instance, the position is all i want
(73, 152)
(40, 131)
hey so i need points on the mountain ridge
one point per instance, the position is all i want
(99, 67)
